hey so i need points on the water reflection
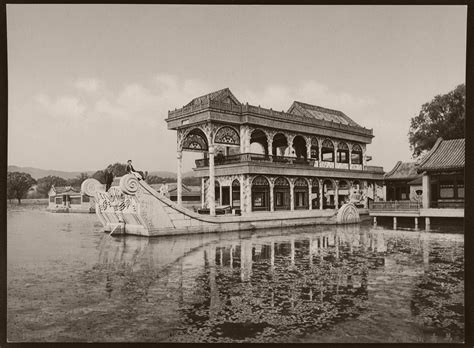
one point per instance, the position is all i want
(273, 286)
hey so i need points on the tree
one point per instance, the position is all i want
(444, 117)
(44, 184)
(18, 184)
(77, 181)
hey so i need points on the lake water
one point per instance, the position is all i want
(69, 281)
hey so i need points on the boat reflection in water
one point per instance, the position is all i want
(313, 284)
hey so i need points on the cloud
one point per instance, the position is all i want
(107, 125)
(280, 97)
(64, 106)
(89, 85)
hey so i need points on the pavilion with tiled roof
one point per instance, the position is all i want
(402, 182)
(443, 174)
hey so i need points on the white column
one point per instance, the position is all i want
(426, 191)
(179, 180)
(384, 192)
(336, 194)
(310, 195)
(364, 162)
(212, 183)
(350, 157)
(321, 192)
(243, 202)
(308, 148)
(366, 200)
(203, 189)
(272, 198)
(292, 195)
(230, 194)
(292, 251)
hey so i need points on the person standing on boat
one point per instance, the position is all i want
(131, 170)
(109, 178)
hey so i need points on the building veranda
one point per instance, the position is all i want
(259, 159)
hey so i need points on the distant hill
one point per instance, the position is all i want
(37, 173)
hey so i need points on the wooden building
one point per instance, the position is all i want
(67, 199)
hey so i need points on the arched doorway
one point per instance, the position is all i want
(235, 193)
(260, 194)
(328, 194)
(301, 195)
(281, 194)
(343, 192)
(258, 142)
(299, 145)
(279, 145)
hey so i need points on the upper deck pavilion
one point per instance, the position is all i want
(224, 108)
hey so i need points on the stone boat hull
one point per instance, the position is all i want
(135, 208)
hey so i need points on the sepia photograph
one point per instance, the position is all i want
(236, 173)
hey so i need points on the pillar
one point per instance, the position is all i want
(308, 148)
(321, 195)
(292, 195)
(203, 192)
(310, 195)
(366, 199)
(272, 254)
(394, 222)
(212, 183)
(243, 201)
(336, 194)
(319, 153)
(179, 178)
(335, 154)
(231, 256)
(384, 193)
(230, 195)
(427, 223)
(350, 157)
(426, 191)
(416, 223)
(375, 221)
(272, 205)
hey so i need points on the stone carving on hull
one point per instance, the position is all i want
(129, 184)
(347, 214)
(91, 186)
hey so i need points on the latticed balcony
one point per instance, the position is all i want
(255, 158)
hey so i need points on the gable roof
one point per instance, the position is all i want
(320, 113)
(64, 189)
(444, 155)
(222, 95)
(403, 171)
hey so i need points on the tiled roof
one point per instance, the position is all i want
(444, 155)
(403, 171)
(64, 189)
(223, 95)
(320, 113)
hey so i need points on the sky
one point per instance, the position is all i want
(90, 85)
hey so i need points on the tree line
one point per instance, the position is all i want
(19, 183)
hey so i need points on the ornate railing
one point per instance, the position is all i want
(395, 206)
(253, 157)
(243, 108)
(448, 203)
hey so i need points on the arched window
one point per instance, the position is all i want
(342, 153)
(327, 151)
(299, 144)
(356, 155)
(260, 194)
(235, 193)
(301, 194)
(314, 149)
(281, 193)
